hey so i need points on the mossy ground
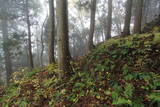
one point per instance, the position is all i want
(119, 72)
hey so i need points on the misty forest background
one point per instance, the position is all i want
(36, 33)
(16, 28)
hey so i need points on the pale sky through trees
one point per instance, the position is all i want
(74, 12)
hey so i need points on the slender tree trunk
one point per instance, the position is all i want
(109, 20)
(118, 25)
(92, 24)
(7, 56)
(145, 12)
(63, 44)
(42, 41)
(37, 53)
(67, 39)
(31, 65)
(126, 30)
(52, 31)
(159, 14)
(138, 16)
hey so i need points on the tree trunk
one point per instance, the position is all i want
(7, 56)
(145, 12)
(92, 24)
(109, 20)
(52, 31)
(42, 41)
(37, 63)
(159, 8)
(63, 44)
(118, 25)
(8, 63)
(31, 65)
(67, 37)
(126, 30)
(138, 16)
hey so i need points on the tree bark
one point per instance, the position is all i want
(63, 44)
(138, 16)
(52, 31)
(109, 20)
(31, 65)
(92, 24)
(67, 37)
(126, 30)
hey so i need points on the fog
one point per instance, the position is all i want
(14, 28)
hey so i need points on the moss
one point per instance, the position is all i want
(157, 37)
(156, 29)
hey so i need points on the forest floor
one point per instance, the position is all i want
(123, 72)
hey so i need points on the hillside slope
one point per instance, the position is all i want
(119, 72)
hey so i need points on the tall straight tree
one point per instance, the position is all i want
(159, 8)
(31, 65)
(92, 24)
(145, 11)
(42, 41)
(126, 29)
(109, 20)
(7, 55)
(63, 44)
(52, 31)
(138, 16)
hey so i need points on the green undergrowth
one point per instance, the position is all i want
(121, 72)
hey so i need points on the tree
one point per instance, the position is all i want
(7, 55)
(145, 12)
(12, 14)
(92, 24)
(42, 41)
(31, 65)
(159, 8)
(109, 20)
(126, 30)
(63, 44)
(52, 31)
(138, 16)
(118, 19)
